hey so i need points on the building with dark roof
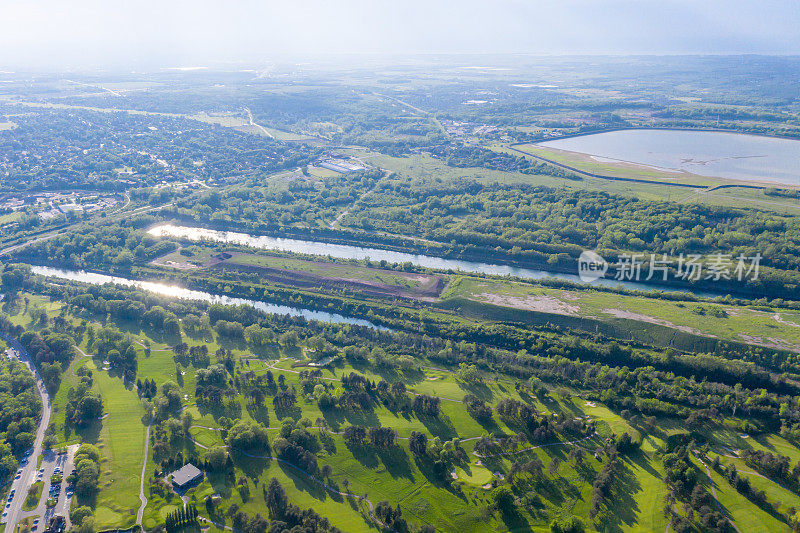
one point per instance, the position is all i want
(186, 476)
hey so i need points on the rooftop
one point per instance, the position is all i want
(185, 474)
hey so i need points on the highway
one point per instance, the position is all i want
(13, 509)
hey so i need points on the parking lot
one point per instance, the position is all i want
(56, 491)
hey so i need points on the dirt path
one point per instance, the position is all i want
(272, 366)
(310, 476)
(359, 497)
(259, 126)
(762, 476)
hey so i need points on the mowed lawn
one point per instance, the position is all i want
(746, 515)
(121, 439)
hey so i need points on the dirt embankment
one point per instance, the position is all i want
(543, 304)
(620, 313)
(428, 289)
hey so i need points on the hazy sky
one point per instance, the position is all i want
(77, 33)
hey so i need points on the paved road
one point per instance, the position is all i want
(142, 497)
(28, 472)
(713, 485)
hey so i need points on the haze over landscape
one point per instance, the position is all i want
(145, 34)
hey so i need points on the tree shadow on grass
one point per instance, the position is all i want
(219, 411)
(426, 468)
(252, 467)
(440, 426)
(230, 343)
(481, 390)
(556, 491)
(334, 418)
(365, 454)
(763, 441)
(294, 412)
(259, 413)
(221, 482)
(621, 504)
(328, 444)
(514, 520)
(91, 432)
(304, 483)
(396, 462)
(641, 460)
(366, 418)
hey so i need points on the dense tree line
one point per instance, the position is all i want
(20, 409)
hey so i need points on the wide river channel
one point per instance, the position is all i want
(344, 251)
(189, 294)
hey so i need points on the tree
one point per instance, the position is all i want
(186, 421)
(468, 374)
(87, 470)
(275, 498)
(418, 443)
(354, 434)
(503, 499)
(326, 471)
(77, 514)
(216, 458)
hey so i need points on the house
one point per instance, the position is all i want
(185, 477)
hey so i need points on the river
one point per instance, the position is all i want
(344, 251)
(190, 294)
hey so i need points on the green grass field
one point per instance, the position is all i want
(742, 324)
(396, 474)
(33, 496)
